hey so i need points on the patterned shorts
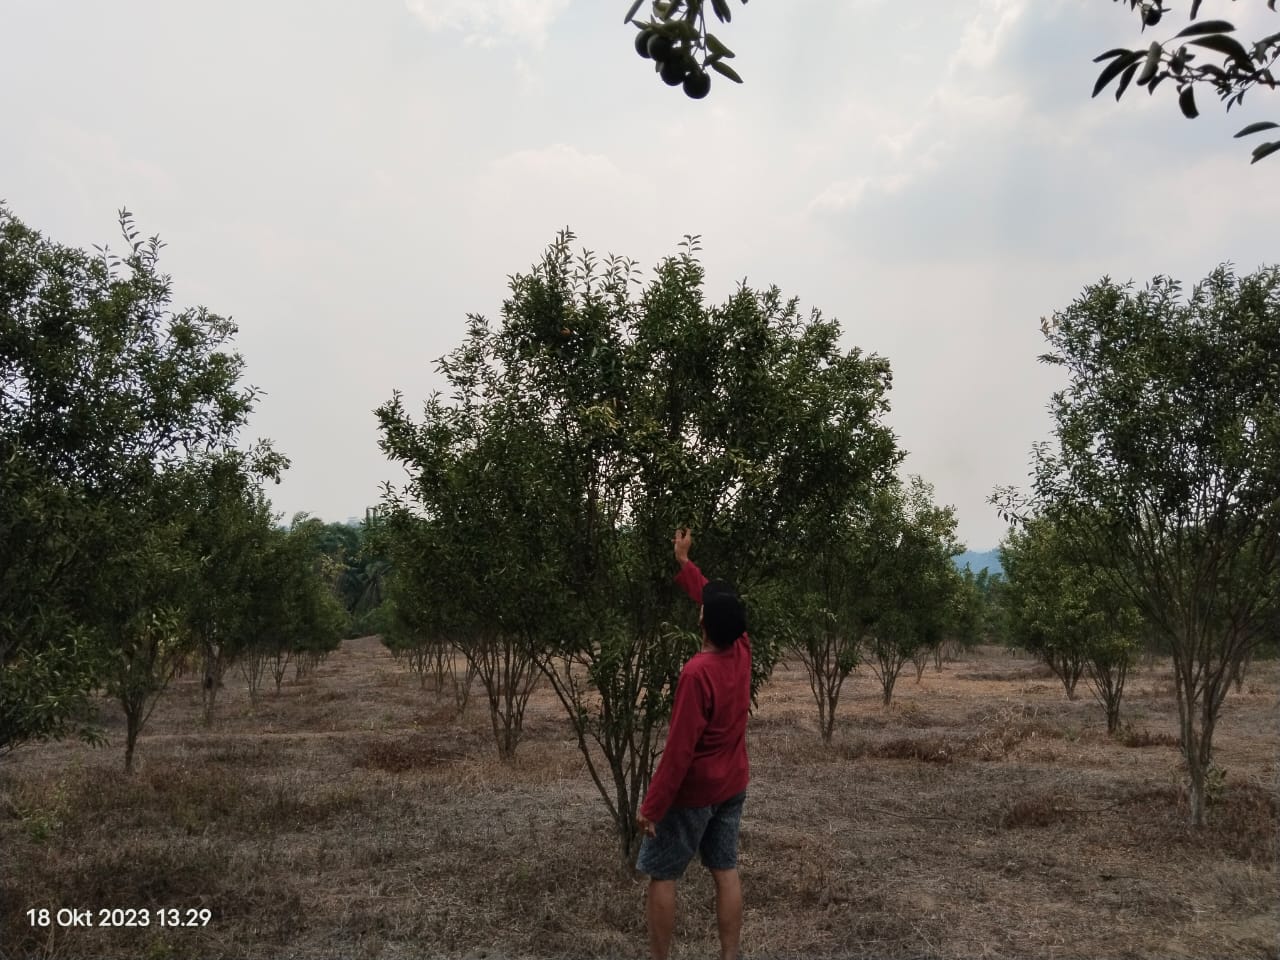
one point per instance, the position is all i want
(711, 832)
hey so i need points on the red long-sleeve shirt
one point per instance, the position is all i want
(705, 759)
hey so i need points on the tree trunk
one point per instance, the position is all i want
(462, 689)
(253, 663)
(887, 688)
(214, 667)
(1191, 701)
(133, 725)
(629, 836)
(279, 664)
(828, 720)
(1239, 668)
(825, 687)
(1069, 682)
(1196, 794)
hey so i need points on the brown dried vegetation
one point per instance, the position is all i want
(356, 815)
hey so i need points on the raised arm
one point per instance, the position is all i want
(689, 577)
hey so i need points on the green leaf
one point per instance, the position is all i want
(1115, 68)
(725, 70)
(1260, 48)
(1187, 101)
(1117, 52)
(722, 10)
(1257, 128)
(1208, 26)
(1125, 78)
(1231, 47)
(1265, 150)
(632, 12)
(717, 48)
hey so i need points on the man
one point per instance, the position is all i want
(695, 799)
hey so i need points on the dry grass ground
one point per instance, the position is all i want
(353, 815)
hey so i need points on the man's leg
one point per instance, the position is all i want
(660, 911)
(728, 911)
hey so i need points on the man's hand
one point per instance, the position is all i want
(647, 827)
(681, 542)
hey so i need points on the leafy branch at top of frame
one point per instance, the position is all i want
(1190, 59)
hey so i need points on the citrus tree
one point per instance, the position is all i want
(292, 610)
(1064, 610)
(1165, 471)
(108, 394)
(226, 532)
(916, 583)
(600, 415)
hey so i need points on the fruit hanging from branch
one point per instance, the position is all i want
(675, 38)
(1205, 54)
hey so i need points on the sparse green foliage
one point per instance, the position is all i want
(916, 585)
(967, 618)
(293, 609)
(358, 574)
(1166, 471)
(1065, 611)
(228, 528)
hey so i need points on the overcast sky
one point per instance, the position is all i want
(348, 180)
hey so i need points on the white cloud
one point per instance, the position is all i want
(842, 194)
(986, 34)
(558, 162)
(515, 204)
(490, 22)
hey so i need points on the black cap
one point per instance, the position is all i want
(722, 613)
